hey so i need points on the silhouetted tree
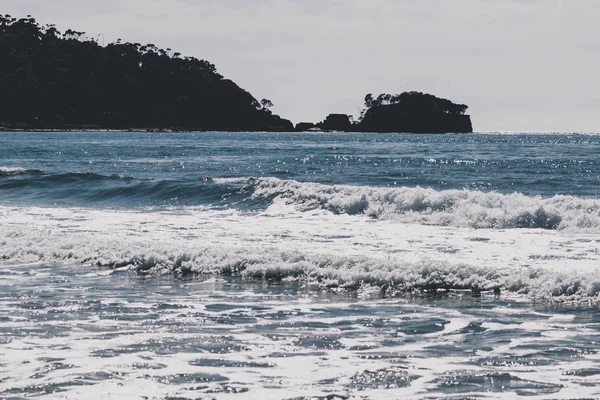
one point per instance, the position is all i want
(369, 101)
(415, 101)
(266, 104)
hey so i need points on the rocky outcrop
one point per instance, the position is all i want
(336, 122)
(304, 126)
(391, 118)
(333, 122)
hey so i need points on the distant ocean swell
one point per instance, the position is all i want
(457, 208)
(84, 188)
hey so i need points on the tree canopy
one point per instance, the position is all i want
(50, 79)
(413, 112)
(415, 102)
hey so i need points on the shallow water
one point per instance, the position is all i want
(77, 332)
(296, 266)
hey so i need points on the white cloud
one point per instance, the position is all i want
(520, 65)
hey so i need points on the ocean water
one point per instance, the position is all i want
(299, 266)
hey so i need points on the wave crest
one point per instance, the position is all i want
(345, 272)
(318, 248)
(6, 171)
(458, 208)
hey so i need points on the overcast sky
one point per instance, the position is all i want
(530, 65)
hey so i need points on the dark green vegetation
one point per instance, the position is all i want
(414, 112)
(53, 80)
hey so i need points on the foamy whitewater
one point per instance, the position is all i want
(299, 266)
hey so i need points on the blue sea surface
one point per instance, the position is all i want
(299, 265)
(132, 169)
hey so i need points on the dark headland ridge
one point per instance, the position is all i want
(53, 80)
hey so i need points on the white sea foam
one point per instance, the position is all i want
(458, 208)
(11, 170)
(319, 247)
(73, 336)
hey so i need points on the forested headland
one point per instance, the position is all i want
(413, 112)
(54, 80)
(67, 80)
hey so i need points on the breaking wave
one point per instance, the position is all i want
(458, 208)
(389, 278)
(7, 171)
(319, 248)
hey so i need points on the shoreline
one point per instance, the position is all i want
(170, 130)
